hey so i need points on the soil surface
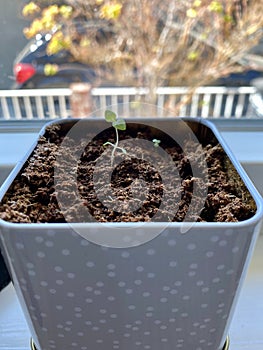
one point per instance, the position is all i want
(144, 185)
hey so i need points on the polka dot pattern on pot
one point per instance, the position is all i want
(176, 290)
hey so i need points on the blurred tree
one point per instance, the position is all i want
(148, 42)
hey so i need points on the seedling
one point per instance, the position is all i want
(156, 142)
(118, 124)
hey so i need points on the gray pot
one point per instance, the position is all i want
(174, 287)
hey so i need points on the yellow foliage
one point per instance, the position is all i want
(111, 10)
(191, 13)
(216, 6)
(65, 11)
(197, 3)
(193, 55)
(35, 28)
(57, 43)
(51, 11)
(30, 9)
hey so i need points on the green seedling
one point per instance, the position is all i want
(118, 124)
(156, 142)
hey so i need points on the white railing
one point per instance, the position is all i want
(212, 102)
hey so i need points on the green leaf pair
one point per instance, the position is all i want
(111, 117)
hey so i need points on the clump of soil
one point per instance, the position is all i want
(35, 197)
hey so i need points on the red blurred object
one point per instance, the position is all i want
(23, 72)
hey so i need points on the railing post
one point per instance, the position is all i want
(80, 100)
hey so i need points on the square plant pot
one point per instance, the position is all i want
(168, 282)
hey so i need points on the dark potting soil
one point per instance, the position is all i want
(35, 197)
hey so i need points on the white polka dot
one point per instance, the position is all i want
(150, 251)
(216, 280)
(191, 273)
(111, 266)
(111, 274)
(221, 291)
(39, 239)
(235, 249)
(121, 284)
(58, 269)
(222, 243)
(49, 244)
(220, 267)
(178, 283)
(129, 291)
(139, 268)
(172, 242)
(131, 307)
(209, 254)
(163, 300)
(41, 255)
(30, 265)
(65, 252)
(214, 239)
(172, 263)
(173, 291)
(90, 264)
(59, 282)
(100, 284)
(200, 283)
(71, 275)
(166, 288)
(31, 273)
(150, 275)
(43, 283)
(70, 295)
(125, 254)
(191, 246)
(163, 327)
(138, 282)
(157, 322)
(84, 243)
(146, 294)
